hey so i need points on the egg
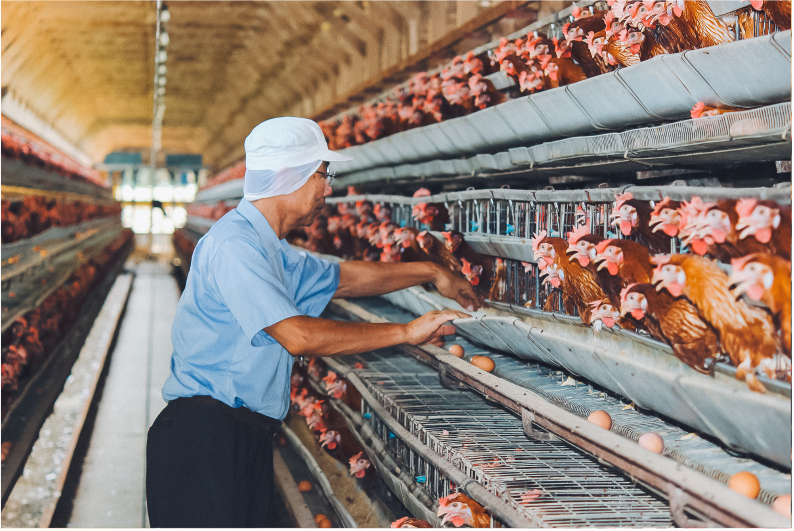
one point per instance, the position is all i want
(474, 358)
(456, 350)
(601, 419)
(305, 486)
(652, 441)
(483, 362)
(782, 504)
(6, 449)
(325, 523)
(745, 483)
(319, 518)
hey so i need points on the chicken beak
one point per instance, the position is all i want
(655, 220)
(574, 256)
(739, 282)
(743, 223)
(748, 230)
(602, 265)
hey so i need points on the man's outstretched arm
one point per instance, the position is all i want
(363, 279)
(312, 336)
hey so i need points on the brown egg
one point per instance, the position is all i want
(456, 350)
(484, 362)
(745, 483)
(601, 419)
(319, 517)
(652, 441)
(782, 504)
(305, 486)
(474, 358)
(325, 523)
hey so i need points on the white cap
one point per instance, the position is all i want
(287, 142)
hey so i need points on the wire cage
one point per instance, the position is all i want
(550, 482)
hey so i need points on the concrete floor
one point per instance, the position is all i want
(111, 488)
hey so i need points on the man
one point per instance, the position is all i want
(250, 304)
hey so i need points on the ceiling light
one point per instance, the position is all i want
(165, 15)
(161, 81)
(164, 38)
(161, 91)
(162, 56)
(162, 70)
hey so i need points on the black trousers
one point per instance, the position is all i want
(209, 465)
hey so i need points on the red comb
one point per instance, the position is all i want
(744, 207)
(602, 245)
(622, 198)
(540, 236)
(625, 291)
(576, 234)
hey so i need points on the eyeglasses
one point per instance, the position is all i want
(329, 177)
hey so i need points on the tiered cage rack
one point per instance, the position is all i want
(631, 120)
(63, 247)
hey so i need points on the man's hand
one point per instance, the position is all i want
(456, 287)
(430, 325)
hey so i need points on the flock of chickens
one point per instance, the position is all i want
(30, 339)
(592, 43)
(729, 297)
(19, 144)
(35, 214)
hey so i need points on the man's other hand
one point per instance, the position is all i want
(456, 287)
(430, 325)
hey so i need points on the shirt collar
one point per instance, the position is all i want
(259, 222)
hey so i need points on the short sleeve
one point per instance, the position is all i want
(251, 288)
(316, 282)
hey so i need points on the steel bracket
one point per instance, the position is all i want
(447, 380)
(678, 502)
(527, 418)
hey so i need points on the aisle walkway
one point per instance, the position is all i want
(111, 489)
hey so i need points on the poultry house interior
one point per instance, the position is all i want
(610, 178)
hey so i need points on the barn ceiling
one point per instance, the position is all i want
(86, 69)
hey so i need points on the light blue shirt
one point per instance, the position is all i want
(243, 279)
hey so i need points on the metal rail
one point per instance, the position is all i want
(685, 488)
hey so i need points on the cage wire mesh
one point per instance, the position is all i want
(548, 480)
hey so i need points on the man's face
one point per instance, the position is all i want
(311, 196)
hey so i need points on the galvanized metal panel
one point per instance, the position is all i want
(525, 120)
(620, 109)
(563, 113)
(440, 139)
(492, 126)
